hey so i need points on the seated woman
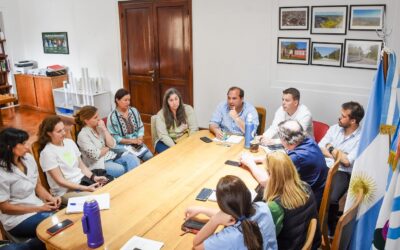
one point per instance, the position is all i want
(247, 225)
(126, 126)
(174, 121)
(96, 145)
(61, 160)
(24, 202)
(282, 184)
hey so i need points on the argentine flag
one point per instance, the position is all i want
(371, 168)
(387, 232)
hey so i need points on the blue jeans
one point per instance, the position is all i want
(161, 147)
(27, 228)
(33, 243)
(123, 164)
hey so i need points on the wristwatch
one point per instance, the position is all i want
(330, 149)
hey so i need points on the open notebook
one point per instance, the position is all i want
(75, 204)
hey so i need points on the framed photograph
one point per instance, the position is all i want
(55, 42)
(293, 18)
(326, 54)
(293, 50)
(366, 17)
(329, 20)
(362, 54)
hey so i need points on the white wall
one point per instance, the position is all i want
(234, 43)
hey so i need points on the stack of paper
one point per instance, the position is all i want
(75, 204)
(137, 242)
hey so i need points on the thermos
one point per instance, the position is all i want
(91, 223)
(248, 130)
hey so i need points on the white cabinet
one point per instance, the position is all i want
(66, 102)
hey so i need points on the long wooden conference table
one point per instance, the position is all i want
(150, 200)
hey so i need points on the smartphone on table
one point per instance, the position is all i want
(59, 227)
(233, 163)
(192, 226)
(204, 194)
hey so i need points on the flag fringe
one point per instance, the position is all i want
(387, 129)
(392, 160)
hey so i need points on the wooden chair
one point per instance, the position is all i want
(153, 130)
(345, 226)
(310, 234)
(320, 130)
(7, 236)
(262, 115)
(42, 176)
(324, 208)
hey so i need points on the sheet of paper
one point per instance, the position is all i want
(75, 204)
(137, 153)
(137, 242)
(231, 139)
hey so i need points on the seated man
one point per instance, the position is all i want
(230, 116)
(291, 109)
(305, 154)
(344, 136)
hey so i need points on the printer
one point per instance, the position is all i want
(22, 67)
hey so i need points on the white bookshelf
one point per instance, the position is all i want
(66, 102)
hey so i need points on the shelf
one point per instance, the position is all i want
(61, 90)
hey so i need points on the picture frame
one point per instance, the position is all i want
(293, 50)
(329, 20)
(362, 54)
(367, 17)
(326, 54)
(55, 42)
(294, 18)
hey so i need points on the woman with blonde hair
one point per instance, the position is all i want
(282, 184)
(98, 146)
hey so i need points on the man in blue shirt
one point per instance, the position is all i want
(230, 116)
(343, 136)
(306, 156)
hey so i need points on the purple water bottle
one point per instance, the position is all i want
(91, 223)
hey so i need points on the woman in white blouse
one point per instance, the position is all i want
(24, 202)
(98, 146)
(61, 160)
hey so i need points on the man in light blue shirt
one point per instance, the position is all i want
(230, 116)
(344, 136)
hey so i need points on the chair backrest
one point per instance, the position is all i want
(310, 234)
(345, 226)
(262, 114)
(42, 176)
(320, 130)
(324, 208)
(153, 130)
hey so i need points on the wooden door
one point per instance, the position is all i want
(156, 51)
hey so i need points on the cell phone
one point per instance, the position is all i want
(233, 163)
(137, 147)
(192, 225)
(205, 139)
(274, 147)
(204, 194)
(59, 227)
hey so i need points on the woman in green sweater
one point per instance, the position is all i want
(174, 121)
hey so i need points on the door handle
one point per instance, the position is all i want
(151, 73)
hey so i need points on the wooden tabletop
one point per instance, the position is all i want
(150, 200)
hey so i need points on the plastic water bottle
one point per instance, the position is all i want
(248, 130)
(91, 223)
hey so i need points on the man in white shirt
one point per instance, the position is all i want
(343, 136)
(291, 109)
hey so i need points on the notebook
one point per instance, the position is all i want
(75, 204)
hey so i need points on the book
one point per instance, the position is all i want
(75, 204)
(137, 242)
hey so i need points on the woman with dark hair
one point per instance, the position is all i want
(126, 126)
(247, 225)
(24, 202)
(282, 184)
(61, 160)
(97, 145)
(174, 121)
